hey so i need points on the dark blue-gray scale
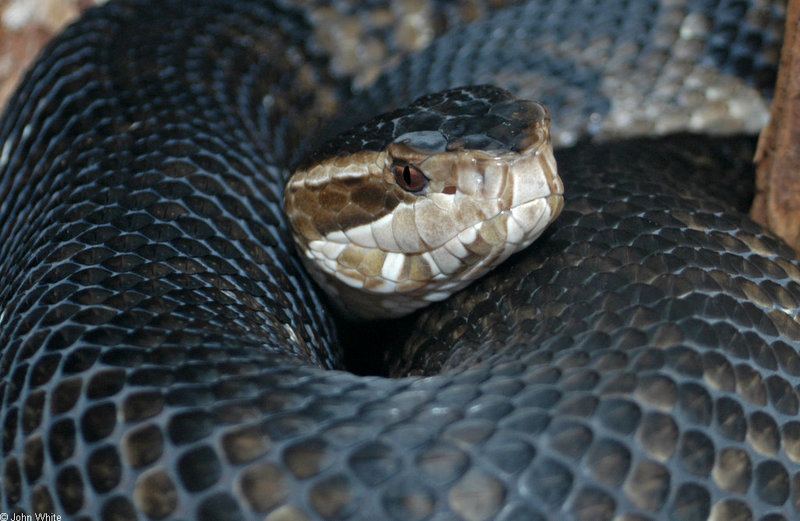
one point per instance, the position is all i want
(545, 49)
(469, 118)
(164, 356)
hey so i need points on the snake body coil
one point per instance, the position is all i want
(164, 356)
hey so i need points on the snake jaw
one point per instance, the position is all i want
(381, 247)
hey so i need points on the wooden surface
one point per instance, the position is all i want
(777, 202)
(25, 27)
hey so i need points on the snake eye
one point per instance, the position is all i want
(409, 177)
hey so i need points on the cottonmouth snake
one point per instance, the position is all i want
(165, 357)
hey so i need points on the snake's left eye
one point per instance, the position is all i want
(409, 177)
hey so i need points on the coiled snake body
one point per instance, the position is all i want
(164, 356)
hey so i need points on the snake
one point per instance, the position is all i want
(165, 354)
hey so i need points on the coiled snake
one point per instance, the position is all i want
(164, 356)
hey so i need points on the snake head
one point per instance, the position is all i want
(415, 204)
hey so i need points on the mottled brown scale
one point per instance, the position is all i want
(417, 270)
(155, 494)
(372, 198)
(332, 197)
(341, 203)
(351, 216)
(351, 258)
(372, 263)
(246, 444)
(264, 487)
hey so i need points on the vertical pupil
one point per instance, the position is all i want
(407, 175)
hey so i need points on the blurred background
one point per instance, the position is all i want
(25, 27)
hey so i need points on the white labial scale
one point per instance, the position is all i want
(495, 230)
(329, 249)
(362, 235)
(481, 248)
(537, 213)
(330, 265)
(354, 281)
(432, 267)
(440, 277)
(383, 233)
(404, 229)
(445, 260)
(532, 189)
(544, 216)
(393, 266)
(473, 272)
(434, 225)
(452, 285)
(455, 247)
(515, 233)
(468, 236)
(530, 214)
(436, 296)
(385, 287)
(338, 236)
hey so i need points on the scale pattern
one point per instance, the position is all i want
(164, 356)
